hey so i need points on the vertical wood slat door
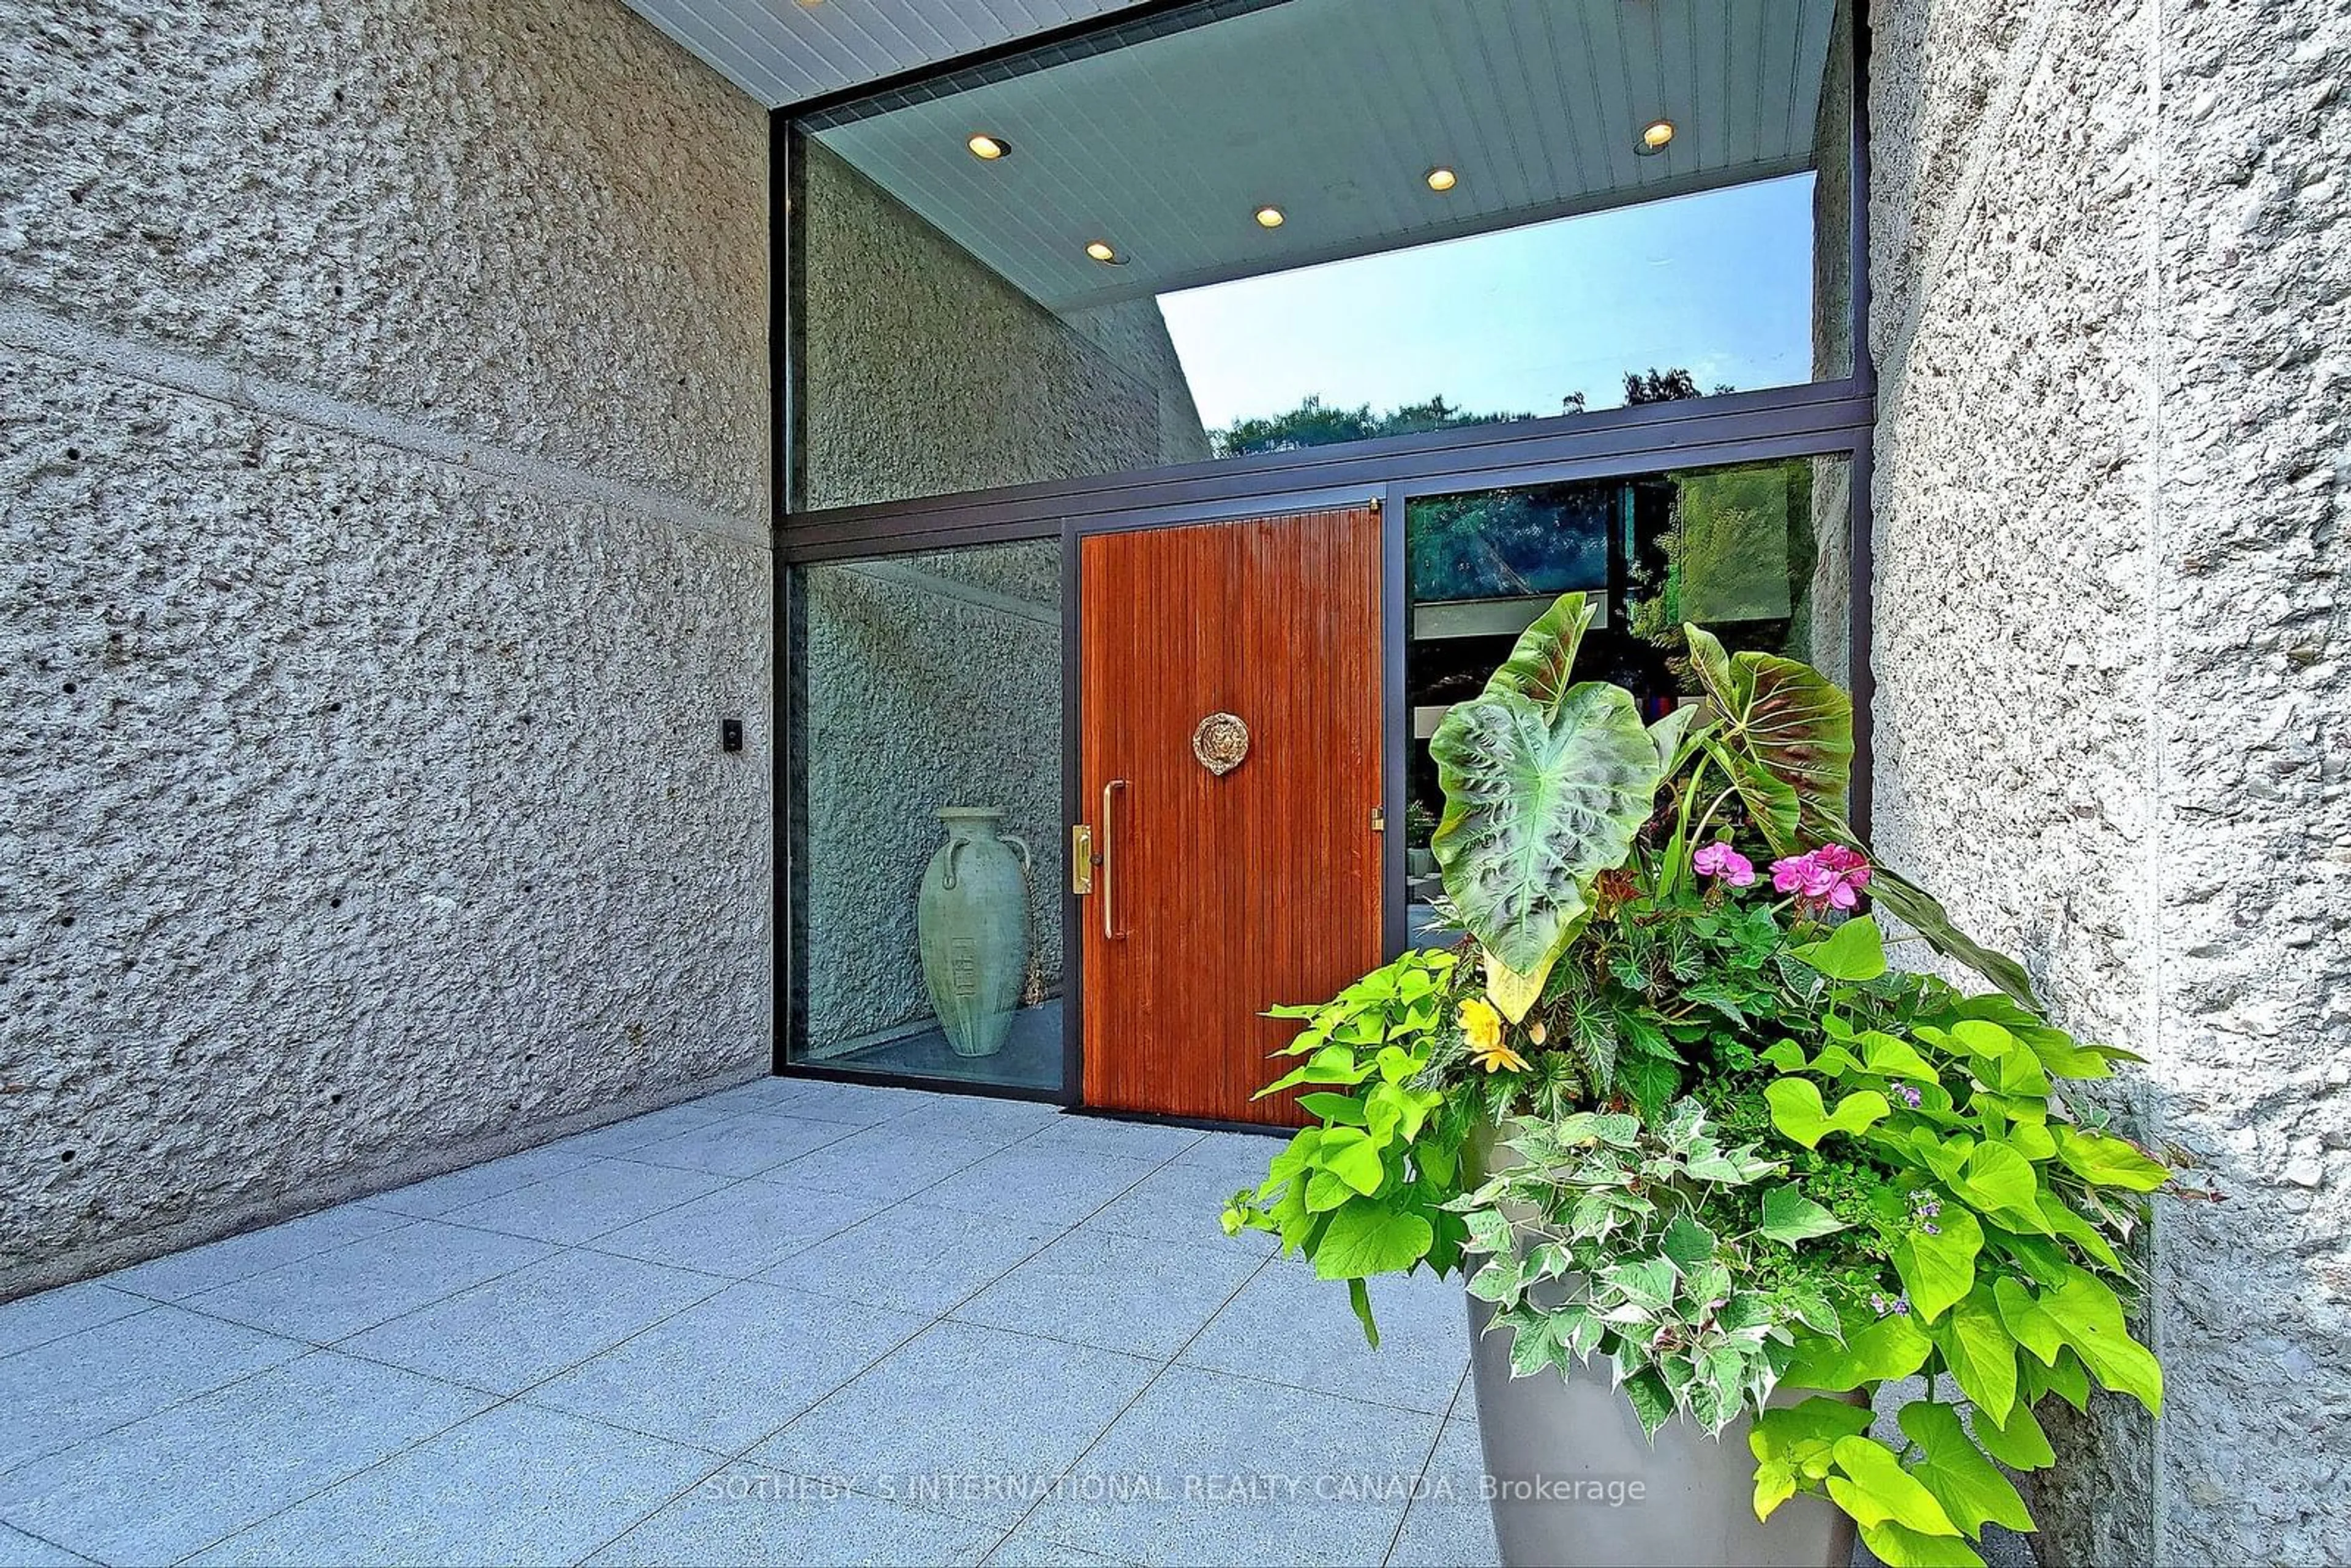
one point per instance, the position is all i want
(1227, 895)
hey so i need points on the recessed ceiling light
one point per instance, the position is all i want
(1102, 250)
(1270, 219)
(986, 148)
(1443, 179)
(1653, 137)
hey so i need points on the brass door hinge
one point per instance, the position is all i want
(1379, 818)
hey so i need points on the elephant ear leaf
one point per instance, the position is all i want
(1784, 737)
(1545, 651)
(1539, 801)
(1712, 666)
(1683, 725)
(1782, 719)
(1770, 801)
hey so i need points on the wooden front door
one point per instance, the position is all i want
(1218, 896)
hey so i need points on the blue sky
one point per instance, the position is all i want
(1510, 321)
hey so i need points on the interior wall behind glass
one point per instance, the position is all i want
(1316, 222)
(1833, 214)
(931, 682)
(1757, 553)
(927, 372)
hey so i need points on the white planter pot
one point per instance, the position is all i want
(1575, 1481)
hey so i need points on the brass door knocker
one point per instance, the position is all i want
(1220, 741)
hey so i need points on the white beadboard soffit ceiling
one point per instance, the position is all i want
(1333, 109)
(782, 52)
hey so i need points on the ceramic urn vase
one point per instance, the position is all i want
(971, 923)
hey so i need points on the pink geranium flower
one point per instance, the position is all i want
(1831, 876)
(1720, 860)
(1797, 874)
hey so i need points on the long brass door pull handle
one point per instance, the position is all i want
(1110, 933)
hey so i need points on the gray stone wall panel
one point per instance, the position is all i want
(2012, 634)
(355, 808)
(2108, 499)
(2011, 558)
(434, 208)
(2252, 433)
(383, 479)
(1940, 75)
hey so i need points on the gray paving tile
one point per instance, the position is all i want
(152, 1393)
(858, 1104)
(164, 1486)
(1178, 1202)
(587, 1200)
(516, 1485)
(743, 1146)
(947, 1419)
(915, 1257)
(1117, 1293)
(365, 1282)
(509, 1332)
(1150, 1142)
(78, 1386)
(739, 1230)
(897, 1159)
(758, 1094)
(1287, 1326)
(180, 1275)
(620, 1137)
(1449, 1524)
(438, 1195)
(1243, 1151)
(19, 1549)
(725, 1373)
(1057, 1186)
(745, 1515)
(35, 1320)
(1028, 1547)
(1206, 1468)
(983, 1118)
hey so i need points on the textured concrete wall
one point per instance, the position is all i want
(2111, 721)
(1134, 334)
(1828, 632)
(931, 680)
(927, 373)
(384, 457)
(1833, 207)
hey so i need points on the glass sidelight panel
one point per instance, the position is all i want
(929, 689)
(1757, 553)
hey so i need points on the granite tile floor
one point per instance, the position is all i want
(789, 1322)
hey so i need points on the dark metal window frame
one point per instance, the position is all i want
(1827, 419)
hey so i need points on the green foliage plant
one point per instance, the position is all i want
(1681, 1119)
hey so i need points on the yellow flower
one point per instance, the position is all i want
(1498, 1056)
(1481, 1026)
